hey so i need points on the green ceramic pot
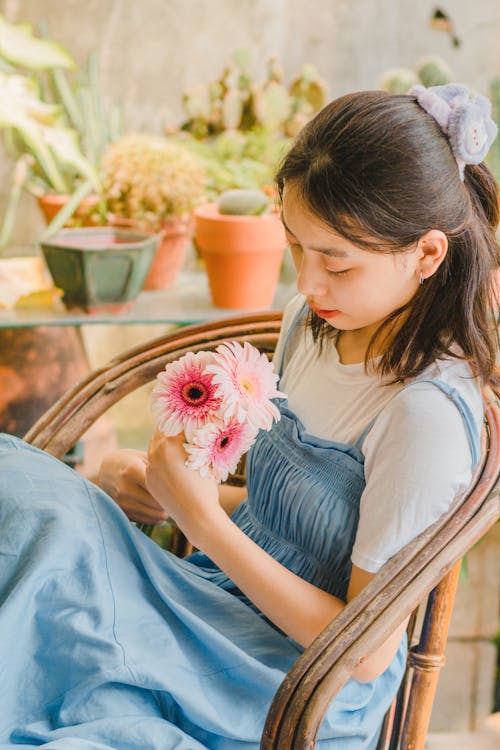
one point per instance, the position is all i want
(99, 268)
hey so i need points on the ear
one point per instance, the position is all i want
(431, 251)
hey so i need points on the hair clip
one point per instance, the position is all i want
(464, 120)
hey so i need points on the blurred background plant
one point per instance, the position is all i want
(53, 120)
(429, 71)
(493, 158)
(241, 127)
(153, 183)
(150, 179)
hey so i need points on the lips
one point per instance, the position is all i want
(323, 313)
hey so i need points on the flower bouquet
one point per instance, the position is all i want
(219, 400)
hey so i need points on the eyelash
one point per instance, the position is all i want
(297, 246)
(338, 273)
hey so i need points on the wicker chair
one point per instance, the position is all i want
(425, 571)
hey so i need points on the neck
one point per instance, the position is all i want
(353, 345)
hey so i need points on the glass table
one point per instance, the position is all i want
(43, 352)
(187, 301)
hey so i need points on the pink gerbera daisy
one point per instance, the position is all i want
(246, 382)
(215, 449)
(185, 395)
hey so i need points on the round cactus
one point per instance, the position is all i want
(434, 71)
(244, 202)
(398, 80)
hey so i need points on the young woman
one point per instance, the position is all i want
(109, 642)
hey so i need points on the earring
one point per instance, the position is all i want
(421, 278)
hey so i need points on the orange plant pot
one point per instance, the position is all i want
(170, 254)
(51, 203)
(242, 254)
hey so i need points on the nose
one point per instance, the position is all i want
(311, 276)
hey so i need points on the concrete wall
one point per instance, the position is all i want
(151, 50)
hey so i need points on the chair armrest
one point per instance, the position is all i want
(394, 592)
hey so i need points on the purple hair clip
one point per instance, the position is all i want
(466, 122)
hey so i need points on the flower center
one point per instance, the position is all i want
(224, 441)
(194, 393)
(247, 385)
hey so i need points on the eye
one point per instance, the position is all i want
(338, 273)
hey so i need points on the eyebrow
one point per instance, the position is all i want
(331, 252)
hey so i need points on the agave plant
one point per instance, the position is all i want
(54, 126)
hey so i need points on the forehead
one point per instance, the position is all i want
(310, 229)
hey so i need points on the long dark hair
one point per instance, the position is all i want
(375, 165)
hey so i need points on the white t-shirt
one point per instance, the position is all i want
(417, 454)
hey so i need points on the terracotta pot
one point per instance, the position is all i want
(170, 254)
(51, 203)
(242, 254)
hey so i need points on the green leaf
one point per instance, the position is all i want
(64, 93)
(20, 93)
(19, 47)
(64, 145)
(21, 172)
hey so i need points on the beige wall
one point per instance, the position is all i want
(152, 49)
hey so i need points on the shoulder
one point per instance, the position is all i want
(445, 402)
(419, 456)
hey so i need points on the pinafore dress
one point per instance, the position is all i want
(109, 642)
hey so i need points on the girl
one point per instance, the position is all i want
(109, 642)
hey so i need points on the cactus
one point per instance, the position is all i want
(234, 101)
(231, 110)
(244, 202)
(151, 179)
(434, 71)
(429, 71)
(398, 80)
(493, 158)
(310, 87)
(272, 105)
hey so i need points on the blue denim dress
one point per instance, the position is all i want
(107, 641)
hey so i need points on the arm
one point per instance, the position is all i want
(122, 475)
(193, 502)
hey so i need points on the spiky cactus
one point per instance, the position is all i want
(150, 179)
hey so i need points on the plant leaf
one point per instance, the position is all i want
(63, 142)
(20, 47)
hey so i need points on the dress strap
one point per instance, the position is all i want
(471, 427)
(299, 315)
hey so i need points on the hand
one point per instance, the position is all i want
(190, 499)
(123, 476)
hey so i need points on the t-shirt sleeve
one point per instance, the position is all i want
(417, 459)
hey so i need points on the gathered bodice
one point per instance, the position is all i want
(302, 505)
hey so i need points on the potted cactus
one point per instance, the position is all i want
(242, 241)
(153, 183)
